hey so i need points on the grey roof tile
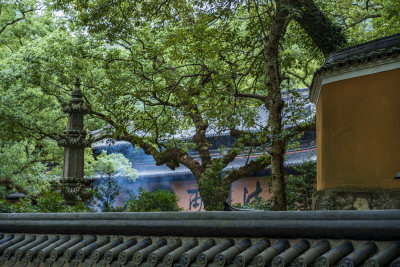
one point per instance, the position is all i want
(384, 257)
(335, 254)
(310, 255)
(333, 238)
(379, 45)
(174, 251)
(359, 255)
(292, 159)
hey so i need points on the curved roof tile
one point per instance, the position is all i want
(249, 238)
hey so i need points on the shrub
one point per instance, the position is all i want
(50, 201)
(258, 203)
(158, 200)
(6, 207)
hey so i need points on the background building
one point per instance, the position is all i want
(357, 94)
(182, 182)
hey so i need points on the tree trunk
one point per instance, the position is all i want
(275, 103)
(277, 149)
(278, 175)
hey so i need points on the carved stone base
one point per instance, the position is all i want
(356, 199)
(75, 189)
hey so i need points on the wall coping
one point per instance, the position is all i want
(352, 71)
(362, 225)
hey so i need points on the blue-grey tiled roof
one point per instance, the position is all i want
(293, 159)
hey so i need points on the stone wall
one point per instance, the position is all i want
(345, 199)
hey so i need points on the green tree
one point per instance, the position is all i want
(31, 118)
(13, 14)
(202, 51)
(157, 71)
(23, 166)
(156, 122)
(108, 167)
(22, 160)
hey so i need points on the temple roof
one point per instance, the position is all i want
(383, 49)
(147, 169)
(245, 238)
(293, 159)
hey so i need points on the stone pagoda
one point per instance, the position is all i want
(74, 142)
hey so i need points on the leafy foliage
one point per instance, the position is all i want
(31, 118)
(258, 203)
(107, 191)
(108, 166)
(6, 207)
(23, 166)
(214, 186)
(158, 200)
(49, 201)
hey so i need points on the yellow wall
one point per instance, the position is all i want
(358, 132)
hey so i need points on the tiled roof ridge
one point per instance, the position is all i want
(301, 155)
(379, 49)
(373, 45)
(181, 239)
(358, 225)
(360, 58)
(245, 155)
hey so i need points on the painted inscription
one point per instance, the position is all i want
(247, 197)
(195, 201)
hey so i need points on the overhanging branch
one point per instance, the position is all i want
(326, 35)
(260, 163)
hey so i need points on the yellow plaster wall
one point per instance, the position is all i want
(358, 132)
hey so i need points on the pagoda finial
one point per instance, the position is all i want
(77, 93)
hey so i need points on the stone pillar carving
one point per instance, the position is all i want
(74, 142)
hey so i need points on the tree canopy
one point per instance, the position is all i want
(162, 75)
